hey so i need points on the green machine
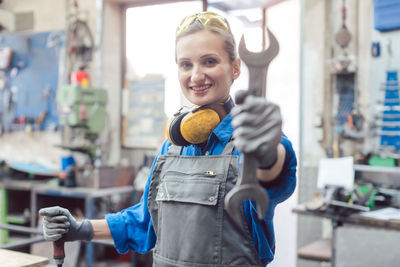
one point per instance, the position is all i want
(82, 107)
(83, 111)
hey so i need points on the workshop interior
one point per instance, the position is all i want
(87, 88)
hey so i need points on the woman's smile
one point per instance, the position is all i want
(201, 89)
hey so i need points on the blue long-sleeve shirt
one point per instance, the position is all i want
(132, 228)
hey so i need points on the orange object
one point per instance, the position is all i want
(80, 77)
(350, 121)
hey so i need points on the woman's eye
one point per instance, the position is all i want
(210, 62)
(185, 65)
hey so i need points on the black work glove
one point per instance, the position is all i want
(258, 129)
(58, 222)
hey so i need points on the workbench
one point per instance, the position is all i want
(9, 258)
(40, 194)
(356, 241)
(11, 190)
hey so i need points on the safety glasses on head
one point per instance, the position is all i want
(207, 19)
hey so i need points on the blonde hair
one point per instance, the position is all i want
(227, 36)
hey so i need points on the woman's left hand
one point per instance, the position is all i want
(258, 129)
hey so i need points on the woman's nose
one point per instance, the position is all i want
(197, 75)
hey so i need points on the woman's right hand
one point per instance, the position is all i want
(58, 222)
(258, 128)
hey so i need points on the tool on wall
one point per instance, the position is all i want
(345, 131)
(247, 186)
(343, 36)
(80, 41)
(354, 128)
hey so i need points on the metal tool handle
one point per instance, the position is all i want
(249, 169)
(249, 160)
(58, 252)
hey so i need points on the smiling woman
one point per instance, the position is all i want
(182, 216)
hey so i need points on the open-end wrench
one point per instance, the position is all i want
(247, 185)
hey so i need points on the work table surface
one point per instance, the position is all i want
(351, 219)
(42, 187)
(10, 258)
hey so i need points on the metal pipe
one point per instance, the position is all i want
(205, 5)
(18, 244)
(22, 229)
(99, 41)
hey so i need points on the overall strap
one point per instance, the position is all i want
(229, 147)
(174, 150)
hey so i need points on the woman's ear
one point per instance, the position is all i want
(236, 69)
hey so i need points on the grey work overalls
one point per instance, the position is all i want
(186, 203)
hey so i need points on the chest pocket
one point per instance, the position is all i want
(195, 190)
(188, 217)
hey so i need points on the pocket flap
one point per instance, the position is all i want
(199, 191)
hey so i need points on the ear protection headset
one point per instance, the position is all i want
(194, 127)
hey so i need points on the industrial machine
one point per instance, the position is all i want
(82, 115)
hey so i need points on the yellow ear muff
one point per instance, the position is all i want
(174, 130)
(196, 127)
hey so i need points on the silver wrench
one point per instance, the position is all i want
(247, 185)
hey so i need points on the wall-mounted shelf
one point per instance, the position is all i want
(385, 176)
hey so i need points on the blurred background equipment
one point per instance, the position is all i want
(79, 38)
(82, 116)
(64, 141)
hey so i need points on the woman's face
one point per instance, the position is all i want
(205, 72)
